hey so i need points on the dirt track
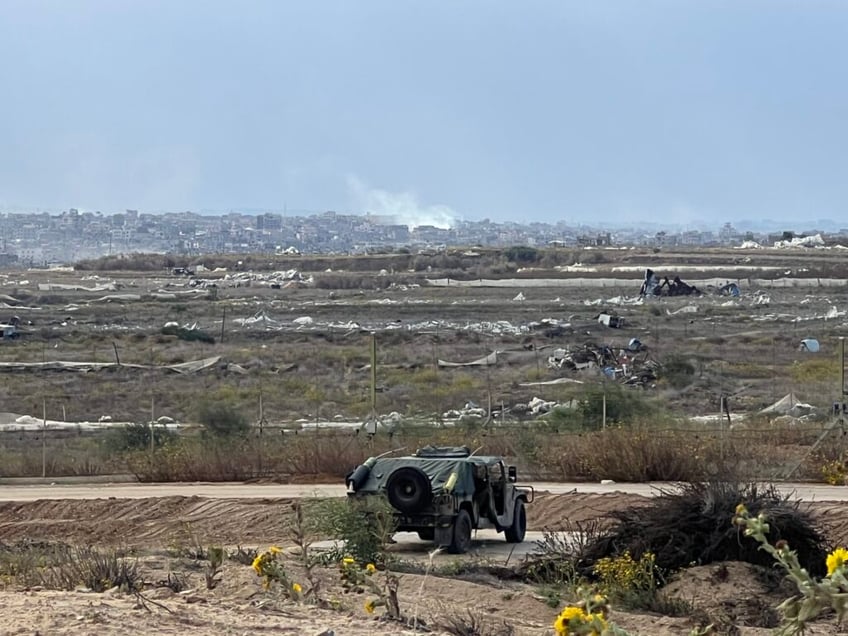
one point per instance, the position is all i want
(160, 521)
(150, 521)
(226, 490)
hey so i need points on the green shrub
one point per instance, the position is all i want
(221, 419)
(134, 437)
(363, 525)
(622, 405)
(522, 254)
(677, 371)
(189, 335)
(819, 369)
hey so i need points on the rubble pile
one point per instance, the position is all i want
(652, 286)
(629, 365)
(274, 280)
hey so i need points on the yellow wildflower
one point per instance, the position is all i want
(836, 560)
(371, 568)
(257, 564)
(569, 614)
(740, 509)
(274, 549)
(296, 588)
(348, 560)
(370, 606)
(561, 625)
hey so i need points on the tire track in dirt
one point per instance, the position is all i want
(159, 521)
(177, 520)
(564, 511)
(156, 521)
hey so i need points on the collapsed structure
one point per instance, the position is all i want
(652, 286)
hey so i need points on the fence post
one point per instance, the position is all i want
(43, 437)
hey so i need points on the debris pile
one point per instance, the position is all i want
(629, 365)
(610, 320)
(815, 240)
(274, 280)
(469, 410)
(652, 286)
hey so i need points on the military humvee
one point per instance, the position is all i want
(445, 493)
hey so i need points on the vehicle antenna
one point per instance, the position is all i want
(394, 450)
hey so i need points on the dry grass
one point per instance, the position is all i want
(628, 454)
(733, 350)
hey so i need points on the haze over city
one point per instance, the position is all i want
(611, 113)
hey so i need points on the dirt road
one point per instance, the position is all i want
(254, 514)
(807, 492)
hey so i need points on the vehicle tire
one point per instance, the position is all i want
(515, 533)
(461, 541)
(427, 534)
(408, 489)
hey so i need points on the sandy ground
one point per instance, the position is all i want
(161, 528)
(239, 605)
(158, 521)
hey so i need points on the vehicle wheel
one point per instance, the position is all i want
(461, 542)
(408, 489)
(427, 534)
(515, 533)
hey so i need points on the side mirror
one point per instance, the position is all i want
(512, 474)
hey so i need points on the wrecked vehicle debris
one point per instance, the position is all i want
(611, 320)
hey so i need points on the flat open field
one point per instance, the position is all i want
(284, 343)
(305, 347)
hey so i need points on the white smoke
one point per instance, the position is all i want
(402, 208)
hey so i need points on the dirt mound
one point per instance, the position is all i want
(738, 598)
(560, 512)
(155, 521)
(160, 521)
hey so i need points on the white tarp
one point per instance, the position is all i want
(810, 344)
(488, 360)
(66, 365)
(789, 404)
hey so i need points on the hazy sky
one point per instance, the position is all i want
(685, 110)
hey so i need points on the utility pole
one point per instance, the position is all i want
(152, 420)
(373, 375)
(43, 437)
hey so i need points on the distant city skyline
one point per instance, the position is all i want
(606, 114)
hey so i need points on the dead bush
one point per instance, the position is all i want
(640, 454)
(692, 524)
(62, 567)
(473, 623)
